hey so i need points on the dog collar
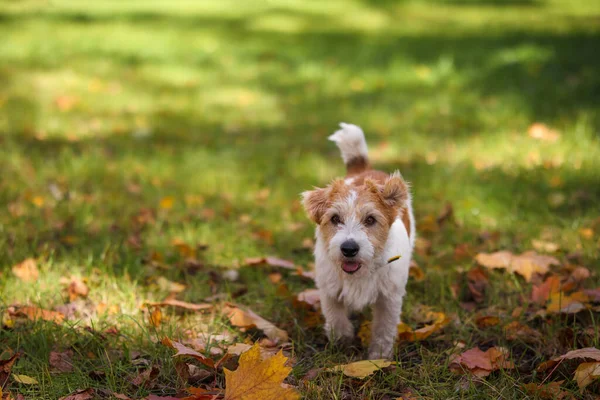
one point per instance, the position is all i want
(394, 259)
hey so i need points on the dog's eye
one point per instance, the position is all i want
(336, 219)
(370, 221)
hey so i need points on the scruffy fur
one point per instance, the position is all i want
(371, 212)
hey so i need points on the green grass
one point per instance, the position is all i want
(106, 108)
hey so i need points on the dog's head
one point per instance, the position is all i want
(354, 220)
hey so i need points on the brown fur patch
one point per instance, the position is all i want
(357, 165)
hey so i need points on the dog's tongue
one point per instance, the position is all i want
(350, 266)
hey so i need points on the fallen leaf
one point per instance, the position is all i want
(541, 293)
(61, 362)
(567, 304)
(445, 215)
(586, 373)
(361, 369)
(272, 261)
(543, 246)
(477, 282)
(517, 331)
(542, 132)
(310, 297)
(416, 272)
(146, 378)
(593, 294)
(480, 363)
(6, 367)
(486, 321)
(27, 270)
(34, 314)
(24, 379)
(248, 319)
(586, 233)
(169, 286)
(85, 394)
(550, 391)
(257, 379)
(156, 317)
(186, 351)
(526, 264)
(275, 277)
(75, 288)
(181, 304)
(590, 353)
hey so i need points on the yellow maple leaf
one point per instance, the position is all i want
(361, 369)
(258, 379)
(586, 373)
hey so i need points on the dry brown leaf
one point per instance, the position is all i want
(550, 391)
(186, 351)
(27, 270)
(586, 373)
(156, 317)
(477, 282)
(275, 277)
(486, 321)
(85, 394)
(34, 314)
(146, 378)
(272, 261)
(257, 379)
(480, 363)
(517, 331)
(588, 353)
(542, 132)
(248, 319)
(6, 367)
(567, 304)
(75, 287)
(61, 362)
(526, 264)
(360, 369)
(541, 293)
(181, 304)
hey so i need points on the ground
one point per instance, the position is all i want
(149, 143)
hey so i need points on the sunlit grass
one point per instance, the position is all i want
(223, 108)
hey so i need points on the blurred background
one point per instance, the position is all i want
(130, 127)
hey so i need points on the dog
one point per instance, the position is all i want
(365, 236)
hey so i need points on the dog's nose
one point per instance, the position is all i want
(349, 248)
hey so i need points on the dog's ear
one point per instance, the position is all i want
(395, 190)
(393, 193)
(315, 203)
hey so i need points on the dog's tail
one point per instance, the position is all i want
(351, 142)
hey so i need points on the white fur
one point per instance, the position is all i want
(351, 142)
(376, 283)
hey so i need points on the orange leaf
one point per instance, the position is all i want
(568, 304)
(540, 294)
(34, 313)
(27, 270)
(248, 319)
(590, 353)
(526, 264)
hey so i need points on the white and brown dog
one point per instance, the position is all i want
(364, 240)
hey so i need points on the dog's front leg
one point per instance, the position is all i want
(386, 317)
(337, 323)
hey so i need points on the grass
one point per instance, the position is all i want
(145, 122)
